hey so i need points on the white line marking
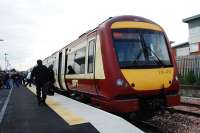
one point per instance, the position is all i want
(5, 106)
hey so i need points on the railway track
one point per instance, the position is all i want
(187, 108)
(190, 104)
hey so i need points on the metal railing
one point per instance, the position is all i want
(189, 63)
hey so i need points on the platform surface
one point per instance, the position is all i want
(23, 115)
(62, 115)
(3, 95)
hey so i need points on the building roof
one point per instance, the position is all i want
(186, 20)
(185, 44)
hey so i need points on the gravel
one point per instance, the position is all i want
(177, 123)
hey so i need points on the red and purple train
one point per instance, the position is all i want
(123, 65)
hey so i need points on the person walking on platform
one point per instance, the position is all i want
(28, 79)
(51, 74)
(50, 86)
(2, 77)
(16, 79)
(7, 81)
(41, 75)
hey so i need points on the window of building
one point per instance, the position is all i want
(91, 49)
(182, 51)
(194, 47)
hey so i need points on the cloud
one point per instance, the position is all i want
(34, 29)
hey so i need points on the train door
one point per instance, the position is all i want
(59, 69)
(65, 68)
(91, 41)
(55, 68)
(66, 56)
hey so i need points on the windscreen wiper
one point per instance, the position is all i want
(158, 59)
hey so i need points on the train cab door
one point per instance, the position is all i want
(61, 69)
(90, 69)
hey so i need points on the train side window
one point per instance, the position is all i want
(79, 61)
(70, 61)
(91, 56)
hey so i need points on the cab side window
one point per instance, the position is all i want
(91, 51)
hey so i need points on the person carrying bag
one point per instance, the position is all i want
(49, 88)
(50, 84)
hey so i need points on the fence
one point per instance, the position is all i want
(189, 63)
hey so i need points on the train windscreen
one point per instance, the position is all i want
(140, 48)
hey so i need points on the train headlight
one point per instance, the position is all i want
(119, 82)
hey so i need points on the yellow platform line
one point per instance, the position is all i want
(62, 111)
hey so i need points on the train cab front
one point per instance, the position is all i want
(146, 63)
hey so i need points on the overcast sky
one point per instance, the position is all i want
(34, 29)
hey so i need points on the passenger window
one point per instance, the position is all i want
(70, 62)
(79, 61)
(91, 56)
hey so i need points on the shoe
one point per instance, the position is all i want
(44, 103)
(39, 103)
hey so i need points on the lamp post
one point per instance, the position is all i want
(5, 61)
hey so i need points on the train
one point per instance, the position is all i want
(123, 65)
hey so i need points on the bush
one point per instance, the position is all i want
(181, 79)
(190, 78)
(197, 81)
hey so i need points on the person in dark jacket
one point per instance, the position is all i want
(51, 74)
(50, 86)
(7, 80)
(41, 75)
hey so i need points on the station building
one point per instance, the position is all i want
(192, 47)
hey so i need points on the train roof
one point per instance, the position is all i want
(107, 23)
(110, 20)
(126, 18)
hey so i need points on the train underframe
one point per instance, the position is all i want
(150, 103)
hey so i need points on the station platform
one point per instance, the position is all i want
(4, 93)
(61, 115)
